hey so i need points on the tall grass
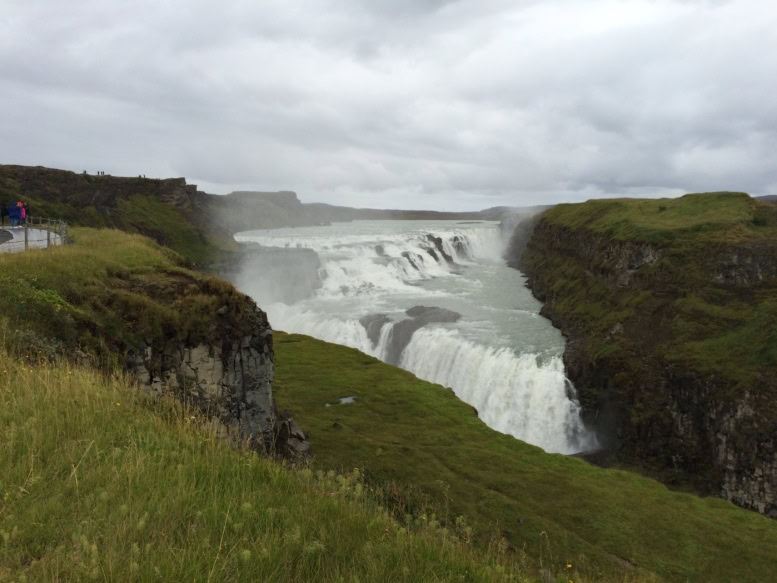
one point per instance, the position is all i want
(105, 292)
(607, 523)
(100, 483)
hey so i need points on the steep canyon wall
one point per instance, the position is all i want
(671, 338)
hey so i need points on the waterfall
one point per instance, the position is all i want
(365, 264)
(369, 273)
(513, 393)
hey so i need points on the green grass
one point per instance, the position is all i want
(714, 216)
(82, 472)
(717, 336)
(103, 483)
(163, 223)
(133, 205)
(143, 214)
(104, 293)
(100, 483)
(693, 330)
(674, 309)
(406, 431)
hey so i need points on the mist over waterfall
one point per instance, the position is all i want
(433, 297)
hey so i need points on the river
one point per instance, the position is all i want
(435, 298)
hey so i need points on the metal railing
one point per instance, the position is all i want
(35, 233)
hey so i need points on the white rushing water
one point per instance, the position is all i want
(353, 283)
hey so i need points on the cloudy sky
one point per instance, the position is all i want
(438, 104)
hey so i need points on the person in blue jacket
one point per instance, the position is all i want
(15, 214)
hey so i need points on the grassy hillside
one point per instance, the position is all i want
(608, 523)
(107, 291)
(100, 483)
(670, 306)
(159, 209)
(695, 319)
(713, 217)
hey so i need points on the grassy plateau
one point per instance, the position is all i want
(669, 304)
(695, 318)
(107, 291)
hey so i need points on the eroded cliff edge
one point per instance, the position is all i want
(670, 310)
(117, 301)
(227, 374)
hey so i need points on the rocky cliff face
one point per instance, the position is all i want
(623, 305)
(728, 438)
(229, 378)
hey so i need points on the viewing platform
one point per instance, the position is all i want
(37, 234)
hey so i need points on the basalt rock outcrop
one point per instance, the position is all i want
(402, 331)
(373, 324)
(671, 341)
(228, 377)
(438, 248)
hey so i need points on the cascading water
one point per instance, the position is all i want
(513, 393)
(435, 298)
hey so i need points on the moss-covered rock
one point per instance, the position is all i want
(121, 301)
(670, 307)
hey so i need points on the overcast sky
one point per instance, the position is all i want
(398, 103)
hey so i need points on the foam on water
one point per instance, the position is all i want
(513, 393)
(368, 270)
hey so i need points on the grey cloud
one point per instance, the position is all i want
(430, 104)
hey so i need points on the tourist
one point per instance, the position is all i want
(22, 213)
(14, 214)
(26, 208)
(3, 213)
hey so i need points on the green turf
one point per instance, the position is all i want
(607, 522)
(677, 308)
(106, 292)
(694, 218)
(100, 483)
(154, 208)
